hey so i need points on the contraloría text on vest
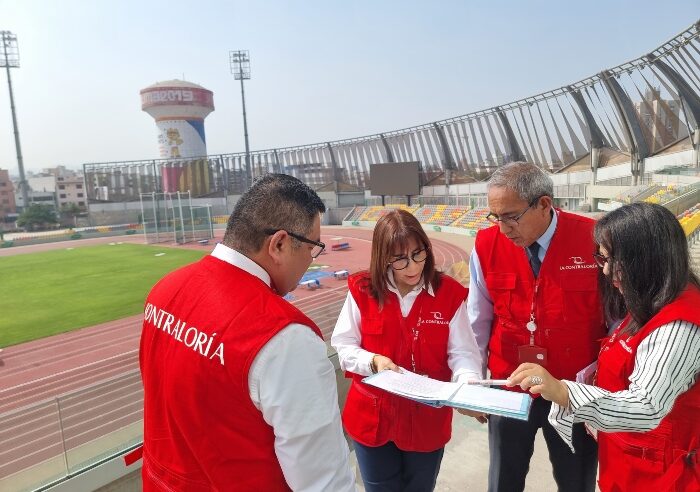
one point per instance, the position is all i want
(190, 336)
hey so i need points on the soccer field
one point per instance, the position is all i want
(43, 294)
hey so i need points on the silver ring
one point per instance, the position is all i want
(535, 380)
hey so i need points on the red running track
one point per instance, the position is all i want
(34, 374)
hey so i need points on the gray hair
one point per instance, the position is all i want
(526, 179)
(274, 202)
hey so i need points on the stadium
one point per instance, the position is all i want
(71, 402)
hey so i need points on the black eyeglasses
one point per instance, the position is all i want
(402, 262)
(601, 260)
(511, 221)
(315, 251)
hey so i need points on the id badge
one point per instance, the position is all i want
(532, 353)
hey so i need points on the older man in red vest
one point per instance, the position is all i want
(533, 297)
(239, 392)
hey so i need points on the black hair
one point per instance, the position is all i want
(275, 201)
(648, 249)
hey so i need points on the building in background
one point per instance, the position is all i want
(660, 119)
(8, 209)
(70, 190)
(57, 187)
(41, 182)
(41, 189)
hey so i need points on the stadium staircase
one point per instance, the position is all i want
(355, 214)
(665, 194)
(646, 193)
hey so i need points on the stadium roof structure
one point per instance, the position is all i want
(638, 109)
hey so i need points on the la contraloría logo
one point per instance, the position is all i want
(578, 263)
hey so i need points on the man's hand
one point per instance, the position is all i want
(380, 363)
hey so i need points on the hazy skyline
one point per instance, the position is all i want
(321, 71)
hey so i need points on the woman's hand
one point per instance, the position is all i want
(479, 416)
(380, 363)
(536, 379)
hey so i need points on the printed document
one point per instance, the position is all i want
(460, 395)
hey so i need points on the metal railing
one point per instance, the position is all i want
(58, 438)
(53, 440)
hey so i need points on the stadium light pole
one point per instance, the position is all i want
(239, 61)
(9, 58)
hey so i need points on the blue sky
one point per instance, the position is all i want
(321, 70)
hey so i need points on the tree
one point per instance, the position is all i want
(37, 216)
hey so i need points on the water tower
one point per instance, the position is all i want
(179, 108)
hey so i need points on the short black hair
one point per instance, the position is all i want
(275, 201)
(647, 245)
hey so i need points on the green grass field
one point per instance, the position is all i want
(43, 294)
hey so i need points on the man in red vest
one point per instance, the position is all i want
(239, 392)
(533, 297)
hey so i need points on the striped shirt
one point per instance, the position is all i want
(666, 365)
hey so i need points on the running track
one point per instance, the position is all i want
(33, 374)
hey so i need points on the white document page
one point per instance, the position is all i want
(413, 385)
(479, 396)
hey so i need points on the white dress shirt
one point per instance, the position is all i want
(292, 382)
(462, 352)
(666, 365)
(479, 302)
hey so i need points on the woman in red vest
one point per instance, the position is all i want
(645, 404)
(402, 313)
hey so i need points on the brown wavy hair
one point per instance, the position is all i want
(394, 231)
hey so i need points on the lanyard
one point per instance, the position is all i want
(531, 325)
(415, 330)
(413, 345)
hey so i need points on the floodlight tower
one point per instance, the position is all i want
(239, 61)
(9, 58)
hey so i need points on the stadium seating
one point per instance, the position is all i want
(690, 219)
(474, 219)
(440, 214)
(356, 213)
(373, 213)
(665, 194)
(629, 195)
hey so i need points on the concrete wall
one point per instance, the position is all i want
(679, 179)
(604, 191)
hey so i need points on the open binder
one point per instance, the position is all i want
(459, 395)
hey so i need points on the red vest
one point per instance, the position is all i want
(203, 326)
(418, 342)
(567, 308)
(663, 459)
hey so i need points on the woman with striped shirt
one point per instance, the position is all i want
(645, 403)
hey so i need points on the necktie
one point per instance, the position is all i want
(535, 262)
